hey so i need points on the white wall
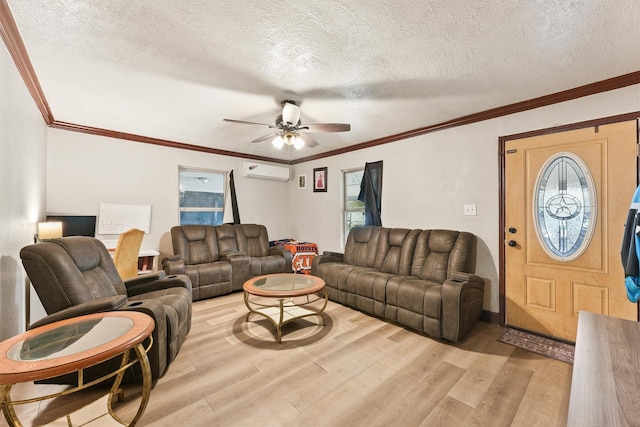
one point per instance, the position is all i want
(85, 170)
(22, 190)
(428, 179)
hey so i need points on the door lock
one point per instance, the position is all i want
(512, 230)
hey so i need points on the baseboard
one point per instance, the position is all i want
(491, 317)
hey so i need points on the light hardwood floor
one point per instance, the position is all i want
(355, 371)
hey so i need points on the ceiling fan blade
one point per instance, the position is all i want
(242, 122)
(308, 139)
(290, 113)
(327, 127)
(264, 138)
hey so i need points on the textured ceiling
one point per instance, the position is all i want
(173, 69)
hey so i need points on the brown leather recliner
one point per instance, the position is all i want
(76, 275)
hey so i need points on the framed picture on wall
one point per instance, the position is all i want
(319, 179)
(302, 182)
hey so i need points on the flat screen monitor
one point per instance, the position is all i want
(76, 225)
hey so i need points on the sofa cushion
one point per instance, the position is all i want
(395, 250)
(340, 279)
(80, 269)
(415, 303)
(209, 280)
(434, 255)
(361, 247)
(196, 244)
(269, 264)
(252, 239)
(226, 238)
(369, 291)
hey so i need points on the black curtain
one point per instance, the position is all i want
(371, 193)
(234, 200)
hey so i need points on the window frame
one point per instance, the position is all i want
(225, 186)
(345, 210)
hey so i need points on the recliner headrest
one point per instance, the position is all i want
(82, 251)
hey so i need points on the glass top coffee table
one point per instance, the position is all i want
(282, 298)
(72, 345)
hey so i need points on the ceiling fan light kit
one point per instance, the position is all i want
(297, 143)
(288, 138)
(291, 131)
(278, 142)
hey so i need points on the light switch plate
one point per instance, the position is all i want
(470, 209)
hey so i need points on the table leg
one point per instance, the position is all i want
(279, 325)
(7, 406)
(146, 385)
(246, 302)
(326, 300)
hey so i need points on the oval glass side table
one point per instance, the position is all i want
(72, 345)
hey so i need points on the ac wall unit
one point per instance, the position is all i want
(260, 170)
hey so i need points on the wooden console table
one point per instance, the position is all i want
(606, 372)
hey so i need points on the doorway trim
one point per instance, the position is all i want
(500, 316)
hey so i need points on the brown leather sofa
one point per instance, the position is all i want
(421, 279)
(76, 275)
(219, 259)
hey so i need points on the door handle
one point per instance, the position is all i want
(512, 243)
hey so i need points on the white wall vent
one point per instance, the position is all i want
(260, 170)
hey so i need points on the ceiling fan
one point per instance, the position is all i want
(291, 131)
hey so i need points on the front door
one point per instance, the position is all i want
(566, 200)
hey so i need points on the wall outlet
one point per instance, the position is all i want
(470, 209)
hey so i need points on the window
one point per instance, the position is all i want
(565, 206)
(201, 196)
(353, 208)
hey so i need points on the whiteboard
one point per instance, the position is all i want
(117, 218)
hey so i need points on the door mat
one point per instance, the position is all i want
(537, 344)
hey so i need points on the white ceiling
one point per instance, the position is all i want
(173, 69)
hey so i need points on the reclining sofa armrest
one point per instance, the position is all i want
(158, 355)
(173, 265)
(172, 281)
(240, 268)
(145, 278)
(282, 251)
(462, 302)
(339, 255)
(97, 306)
(329, 256)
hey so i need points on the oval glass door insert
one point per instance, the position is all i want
(564, 206)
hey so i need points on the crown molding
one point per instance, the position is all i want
(73, 127)
(12, 40)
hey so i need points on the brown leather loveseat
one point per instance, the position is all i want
(219, 259)
(421, 279)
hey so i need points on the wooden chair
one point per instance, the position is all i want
(126, 254)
